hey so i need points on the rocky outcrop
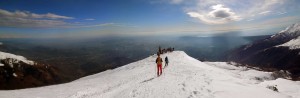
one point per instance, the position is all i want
(16, 74)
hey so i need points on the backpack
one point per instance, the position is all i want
(159, 60)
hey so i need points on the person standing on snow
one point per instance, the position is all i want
(159, 50)
(159, 64)
(166, 61)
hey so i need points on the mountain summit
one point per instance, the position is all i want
(183, 77)
(293, 30)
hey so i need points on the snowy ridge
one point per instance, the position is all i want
(291, 29)
(292, 32)
(292, 44)
(4, 55)
(184, 77)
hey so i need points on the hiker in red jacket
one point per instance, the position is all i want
(159, 64)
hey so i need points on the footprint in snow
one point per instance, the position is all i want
(83, 93)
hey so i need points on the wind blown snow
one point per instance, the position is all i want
(183, 77)
(4, 55)
(292, 44)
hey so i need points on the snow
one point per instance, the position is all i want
(4, 55)
(292, 44)
(290, 88)
(291, 29)
(185, 77)
(15, 75)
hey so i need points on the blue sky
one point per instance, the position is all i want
(90, 18)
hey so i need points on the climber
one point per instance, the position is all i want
(159, 64)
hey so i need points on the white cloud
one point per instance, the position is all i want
(27, 14)
(99, 25)
(54, 16)
(176, 1)
(109, 25)
(218, 15)
(281, 13)
(264, 12)
(205, 19)
(24, 22)
(241, 9)
(250, 20)
(28, 19)
(90, 19)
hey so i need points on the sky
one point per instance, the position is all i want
(93, 18)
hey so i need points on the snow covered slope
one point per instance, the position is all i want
(185, 77)
(291, 29)
(4, 55)
(292, 44)
(289, 32)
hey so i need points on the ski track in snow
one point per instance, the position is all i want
(185, 77)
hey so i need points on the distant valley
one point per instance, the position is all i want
(78, 58)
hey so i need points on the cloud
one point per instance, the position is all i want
(27, 14)
(234, 10)
(99, 25)
(28, 19)
(249, 19)
(90, 19)
(54, 16)
(108, 25)
(264, 12)
(218, 15)
(176, 1)
(281, 13)
(24, 22)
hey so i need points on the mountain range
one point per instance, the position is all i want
(280, 51)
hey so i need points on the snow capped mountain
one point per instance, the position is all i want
(280, 51)
(184, 77)
(292, 31)
(17, 72)
(277, 39)
(292, 44)
(15, 58)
